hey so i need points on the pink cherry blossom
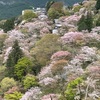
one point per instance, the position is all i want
(72, 37)
(60, 54)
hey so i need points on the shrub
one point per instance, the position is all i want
(14, 96)
(29, 14)
(23, 67)
(30, 81)
(7, 83)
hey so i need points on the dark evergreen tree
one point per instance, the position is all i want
(48, 4)
(8, 25)
(98, 5)
(89, 21)
(98, 21)
(81, 24)
(85, 22)
(13, 57)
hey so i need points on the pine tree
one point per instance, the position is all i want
(85, 22)
(89, 21)
(48, 4)
(81, 24)
(13, 57)
(98, 5)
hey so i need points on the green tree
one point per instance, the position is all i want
(85, 22)
(30, 81)
(2, 72)
(23, 67)
(13, 96)
(81, 24)
(7, 83)
(45, 47)
(89, 21)
(48, 4)
(29, 14)
(8, 25)
(2, 39)
(13, 57)
(71, 90)
(97, 5)
(98, 21)
(56, 10)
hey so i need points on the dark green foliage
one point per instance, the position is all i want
(8, 25)
(13, 96)
(97, 5)
(85, 22)
(56, 10)
(30, 81)
(23, 67)
(89, 21)
(81, 24)
(98, 21)
(71, 90)
(13, 57)
(48, 5)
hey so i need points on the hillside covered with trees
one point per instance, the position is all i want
(51, 53)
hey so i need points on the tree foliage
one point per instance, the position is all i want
(13, 57)
(8, 25)
(30, 81)
(70, 93)
(45, 47)
(85, 22)
(7, 83)
(23, 67)
(13, 96)
(29, 14)
(48, 4)
(56, 10)
(97, 5)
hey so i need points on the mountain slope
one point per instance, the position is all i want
(10, 8)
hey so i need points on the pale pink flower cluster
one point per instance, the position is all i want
(32, 94)
(86, 54)
(45, 72)
(60, 54)
(47, 81)
(89, 51)
(50, 97)
(72, 19)
(92, 35)
(75, 65)
(37, 25)
(71, 37)
(94, 71)
(44, 31)
(16, 33)
(6, 53)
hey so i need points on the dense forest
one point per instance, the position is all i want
(51, 53)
